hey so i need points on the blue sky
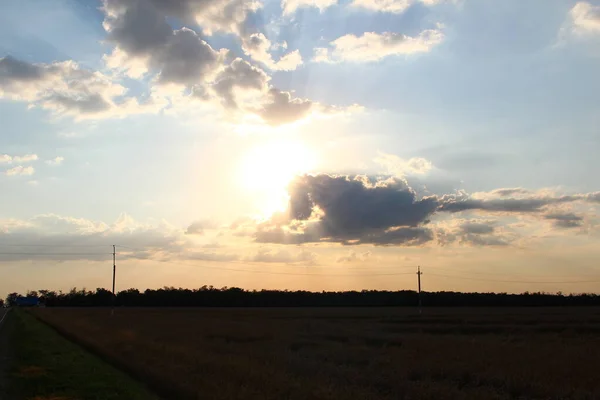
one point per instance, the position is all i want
(131, 122)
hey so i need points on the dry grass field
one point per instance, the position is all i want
(347, 353)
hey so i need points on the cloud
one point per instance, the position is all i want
(585, 18)
(65, 89)
(55, 161)
(291, 6)
(397, 166)
(389, 6)
(266, 255)
(20, 170)
(565, 220)
(321, 54)
(7, 159)
(282, 108)
(352, 256)
(145, 42)
(505, 192)
(257, 46)
(477, 227)
(474, 232)
(371, 46)
(241, 76)
(451, 203)
(198, 227)
(351, 210)
(68, 238)
(26, 158)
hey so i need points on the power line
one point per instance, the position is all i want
(494, 274)
(54, 245)
(246, 262)
(272, 272)
(52, 254)
(510, 281)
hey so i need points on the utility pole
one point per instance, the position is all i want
(114, 299)
(114, 268)
(419, 273)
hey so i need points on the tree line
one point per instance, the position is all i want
(208, 296)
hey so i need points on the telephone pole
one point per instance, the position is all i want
(419, 273)
(114, 268)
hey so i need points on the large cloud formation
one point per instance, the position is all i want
(357, 210)
(65, 88)
(360, 210)
(145, 42)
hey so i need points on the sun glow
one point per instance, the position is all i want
(267, 169)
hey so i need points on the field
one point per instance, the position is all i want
(378, 353)
(46, 366)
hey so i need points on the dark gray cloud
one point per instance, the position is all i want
(509, 191)
(452, 203)
(239, 74)
(354, 205)
(136, 26)
(186, 58)
(64, 88)
(13, 70)
(565, 220)
(357, 210)
(140, 29)
(473, 233)
(471, 227)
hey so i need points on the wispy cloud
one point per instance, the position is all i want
(55, 161)
(20, 170)
(372, 46)
(7, 159)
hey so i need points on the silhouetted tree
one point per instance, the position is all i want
(209, 296)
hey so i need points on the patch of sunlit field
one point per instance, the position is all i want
(346, 353)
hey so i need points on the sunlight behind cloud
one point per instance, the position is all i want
(266, 170)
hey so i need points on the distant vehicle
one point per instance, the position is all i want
(29, 301)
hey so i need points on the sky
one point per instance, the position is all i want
(300, 144)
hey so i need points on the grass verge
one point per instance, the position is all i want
(49, 367)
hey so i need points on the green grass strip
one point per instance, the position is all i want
(49, 367)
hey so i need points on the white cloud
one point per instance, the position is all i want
(20, 170)
(55, 161)
(25, 158)
(290, 6)
(400, 167)
(390, 6)
(371, 46)
(257, 46)
(7, 159)
(321, 54)
(585, 17)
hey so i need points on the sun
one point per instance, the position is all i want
(267, 169)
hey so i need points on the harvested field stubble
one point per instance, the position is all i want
(376, 353)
